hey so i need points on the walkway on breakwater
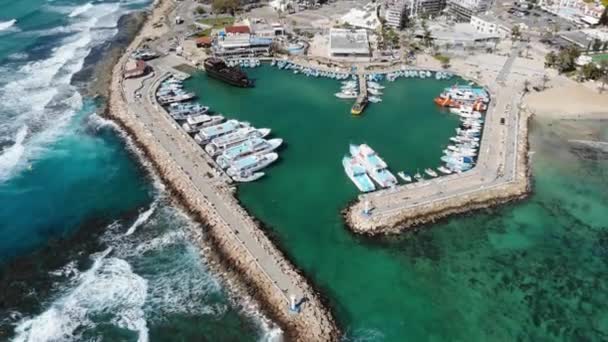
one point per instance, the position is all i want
(190, 173)
(500, 175)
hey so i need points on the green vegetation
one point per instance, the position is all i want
(564, 61)
(225, 6)
(604, 18)
(390, 37)
(445, 60)
(200, 10)
(204, 33)
(217, 23)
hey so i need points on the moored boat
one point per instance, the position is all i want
(356, 173)
(247, 147)
(406, 177)
(219, 145)
(246, 177)
(430, 172)
(252, 163)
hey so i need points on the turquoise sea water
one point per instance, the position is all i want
(527, 271)
(90, 247)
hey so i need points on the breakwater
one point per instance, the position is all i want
(501, 173)
(248, 255)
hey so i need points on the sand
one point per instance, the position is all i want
(569, 100)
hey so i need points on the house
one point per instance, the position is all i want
(204, 42)
(135, 68)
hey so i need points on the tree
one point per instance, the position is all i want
(426, 34)
(597, 45)
(545, 80)
(515, 33)
(550, 59)
(225, 6)
(200, 10)
(526, 86)
(604, 18)
(604, 76)
(590, 71)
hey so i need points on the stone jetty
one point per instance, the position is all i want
(251, 259)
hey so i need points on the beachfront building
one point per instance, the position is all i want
(238, 41)
(463, 10)
(397, 12)
(578, 11)
(460, 36)
(366, 17)
(348, 43)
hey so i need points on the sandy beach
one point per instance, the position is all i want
(568, 100)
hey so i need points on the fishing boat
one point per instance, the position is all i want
(194, 123)
(247, 147)
(444, 170)
(406, 177)
(251, 163)
(356, 172)
(219, 145)
(374, 91)
(246, 177)
(374, 85)
(206, 134)
(430, 172)
(347, 95)
(375, 166)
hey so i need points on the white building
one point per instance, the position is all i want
(366, 17)
(395, 14)
(398, 11)
(348, 43)
(463, 10)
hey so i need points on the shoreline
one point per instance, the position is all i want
(236, 266)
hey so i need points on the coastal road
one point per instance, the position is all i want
(205, 179)
(497, 161)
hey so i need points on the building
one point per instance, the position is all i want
(460, 36)
(463, 10)
(366, 17)
(135, 68)
(203, 42)
(398, 12)
(348, 43)
(241, 45)
(237, 30)
(487, 24)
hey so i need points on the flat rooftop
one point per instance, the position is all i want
(344, 41)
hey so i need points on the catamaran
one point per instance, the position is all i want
(251, 146)
(219, 145)
(356, 173)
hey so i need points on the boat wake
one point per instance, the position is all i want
(108, 289)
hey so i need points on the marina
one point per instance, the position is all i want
(237, 147)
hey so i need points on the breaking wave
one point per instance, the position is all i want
(11, 156)
(142, 218)
(37, 94)
(109, 290)
(6, 25)
(80, 10)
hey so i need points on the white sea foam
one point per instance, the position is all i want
(6, 25)
(80, 10)
(143, 217)
(38, 94)
(108, 290)
(10, 157)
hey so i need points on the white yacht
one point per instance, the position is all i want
(251, 163)
(219, 145)
(194, 123)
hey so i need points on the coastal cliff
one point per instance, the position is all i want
(239, 267)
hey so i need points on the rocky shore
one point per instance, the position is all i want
(517, 189)
(237, 265)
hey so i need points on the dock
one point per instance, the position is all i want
(500, 175)
(361, 101)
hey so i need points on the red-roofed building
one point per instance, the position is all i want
(204, 42)
(237, 29)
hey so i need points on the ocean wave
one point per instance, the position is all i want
(38, 94)
(80, 10)
(109, 292)
(10, 157)
(142, 218)
(7, 25)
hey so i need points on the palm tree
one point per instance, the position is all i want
(545, 80)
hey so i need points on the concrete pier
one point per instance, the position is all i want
(500, 175)
(189, 173)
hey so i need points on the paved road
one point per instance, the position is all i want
(195, 163)
(497, 162)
